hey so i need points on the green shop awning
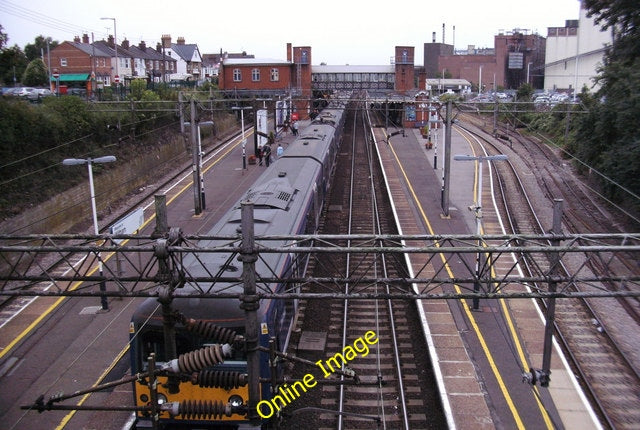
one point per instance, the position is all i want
(71, 77)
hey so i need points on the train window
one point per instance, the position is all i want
(153, 342)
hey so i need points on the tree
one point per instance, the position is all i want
(13, 63)
(608, 138)
(3, 38)
(138, 87)
(524, 93)
(623, 17)
(36, 74)
(39, 47)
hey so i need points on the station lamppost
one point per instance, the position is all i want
(477, 209)
(89, 162)
(197, 153)
(115, 44)
(244, 140)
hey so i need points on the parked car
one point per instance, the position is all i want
(39, 93)
(11, 92)
(25, 92)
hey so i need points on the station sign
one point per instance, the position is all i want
(128, 225)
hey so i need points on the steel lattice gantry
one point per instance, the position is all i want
(66, 265)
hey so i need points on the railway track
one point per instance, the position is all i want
(395, 387)
(602, 365)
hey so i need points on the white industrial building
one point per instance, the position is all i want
(574, 53)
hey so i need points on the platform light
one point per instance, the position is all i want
(89, 162)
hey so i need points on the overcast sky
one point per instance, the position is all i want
(339, 31)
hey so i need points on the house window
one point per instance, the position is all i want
(255, 75)
(63, 62)
(275, 75)
(237, 75)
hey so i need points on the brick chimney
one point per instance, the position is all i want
(85, 38)
(142, 46)
(289, 52)
(180, 40)
(76, 39)
(110, 41)
(166, 41)
(159, 47)
(125, 44)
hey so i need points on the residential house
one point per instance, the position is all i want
(79, 64)
(138, 63)
(187, 56)
(121, 60)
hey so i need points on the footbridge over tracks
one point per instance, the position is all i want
(353, 78)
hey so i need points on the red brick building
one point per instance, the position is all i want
(404, 68)
(514, 55)
(77, 61)
(270, 77)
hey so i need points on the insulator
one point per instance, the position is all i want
(210, 331)
(204, 409)
(219, 379)
(195, 361)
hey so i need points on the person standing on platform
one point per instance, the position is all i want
(294, 128)
(260, 156)
(279, 151)
(267, 154)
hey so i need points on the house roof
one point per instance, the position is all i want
(89, 49)
(122, 52)
(185, 51)
(148, 54)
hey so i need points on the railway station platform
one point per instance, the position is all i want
(479, 375)
(225, 179)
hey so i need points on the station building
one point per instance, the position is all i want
(260, 77)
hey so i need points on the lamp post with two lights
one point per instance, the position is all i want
(89, 162)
